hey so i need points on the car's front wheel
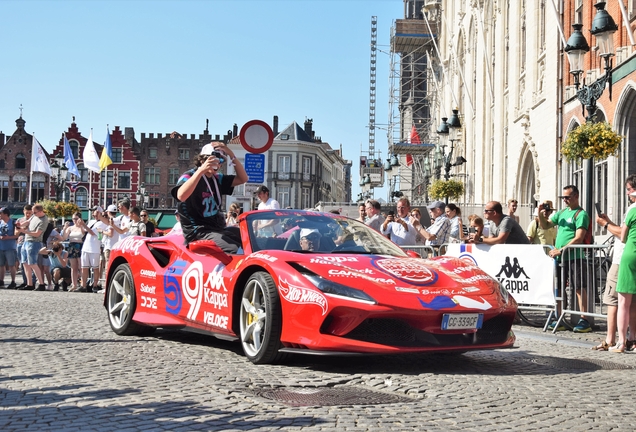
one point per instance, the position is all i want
(261, 319)
(121, 303)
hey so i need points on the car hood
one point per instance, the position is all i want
(370, 273)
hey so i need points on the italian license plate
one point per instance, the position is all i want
(462, 321)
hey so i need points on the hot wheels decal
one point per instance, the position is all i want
(301, 295)
(413, 271)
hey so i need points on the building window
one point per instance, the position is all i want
(37, 191)
(74, 148)
(81, 198)
(1, 163)
(306, 198)
(20, 161)
(116, 155)
(284, 168)
(184, 154)
(306, 168)
(123, 180)
(66, 195)
(4, 190)
(19, 191)
(151, 175)
(153, 200)
(283, 196)
(152, 153)
(110, 176)
(173, 176)
(83, 173)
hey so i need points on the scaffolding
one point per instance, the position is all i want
(371, 173)
(411, 99)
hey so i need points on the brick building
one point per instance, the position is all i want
(15, 171)
(608, 174)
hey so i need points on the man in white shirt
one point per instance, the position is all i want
(91, 249)
(267, 227)
(374, 218)
(399, 228)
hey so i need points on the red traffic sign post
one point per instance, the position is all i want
(256, 136)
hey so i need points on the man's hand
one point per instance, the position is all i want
(554, 252)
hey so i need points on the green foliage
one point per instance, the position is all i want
(591, 140)
(442, 189)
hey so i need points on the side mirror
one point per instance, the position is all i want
(208, 247)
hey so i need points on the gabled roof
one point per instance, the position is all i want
(294, 133)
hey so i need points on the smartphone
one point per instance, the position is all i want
(598, 208)
(391, 213)
(472, 230)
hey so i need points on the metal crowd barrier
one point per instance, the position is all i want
(423, 250)
(589, 265)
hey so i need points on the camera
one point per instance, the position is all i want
(546, 206)
(220, 156)
(233, 214)
(56, 249)
(391, 213)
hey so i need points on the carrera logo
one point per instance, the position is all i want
(148, 273)
(409, 270)
(300, 295)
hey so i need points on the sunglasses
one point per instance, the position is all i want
(312, 237)
(488, 211)
(144, 215)
(566, 197)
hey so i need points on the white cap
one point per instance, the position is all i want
(99, 209)
(111, 208)
(208, 149)
(306, 231)
(633, 193)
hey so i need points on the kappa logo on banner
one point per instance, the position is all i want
(510, 276)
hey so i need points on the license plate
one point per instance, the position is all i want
(462, 321)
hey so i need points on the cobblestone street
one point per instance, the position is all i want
(62, 368)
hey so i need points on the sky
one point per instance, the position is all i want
(163, 66)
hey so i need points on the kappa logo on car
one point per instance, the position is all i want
(300, 295)
(413, 271)
(196, 289)
(337, 259)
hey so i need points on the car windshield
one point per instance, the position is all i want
(309, 232)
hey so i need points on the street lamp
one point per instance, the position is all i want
(450, 130)
(141, 195)
(603, 28)
(58, 176)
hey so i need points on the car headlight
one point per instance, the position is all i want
(337, 290)
(504, 292)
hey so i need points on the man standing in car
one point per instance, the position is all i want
(200, 191)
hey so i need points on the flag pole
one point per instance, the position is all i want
(31, 176)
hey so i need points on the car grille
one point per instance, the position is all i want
(394, 332)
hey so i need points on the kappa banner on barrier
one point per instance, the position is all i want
(524, 270)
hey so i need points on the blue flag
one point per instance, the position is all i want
(69, 161)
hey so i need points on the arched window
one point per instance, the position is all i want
(20, 161)
(74, 148)
(81, 197)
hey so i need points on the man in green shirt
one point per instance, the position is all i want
(573, 222)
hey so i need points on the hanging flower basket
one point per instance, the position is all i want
(591, 140)
(441, 189)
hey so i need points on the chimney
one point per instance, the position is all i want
(275, 125)
(308, 128)
(234, 130)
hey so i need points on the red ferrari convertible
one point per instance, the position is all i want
(319, 284)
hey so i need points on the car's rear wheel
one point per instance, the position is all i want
(121, 303)
(261, 319)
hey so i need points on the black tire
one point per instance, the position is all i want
(121, 304)
(260, 319)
